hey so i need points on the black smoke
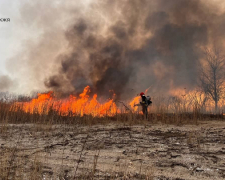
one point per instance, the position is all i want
(122, 53)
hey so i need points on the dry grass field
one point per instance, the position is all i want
(125, 146)
(113, 151)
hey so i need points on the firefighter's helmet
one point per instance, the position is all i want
(141, 94)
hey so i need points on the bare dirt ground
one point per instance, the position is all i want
(113, 151)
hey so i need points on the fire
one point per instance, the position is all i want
(80, 106)
(133, 102)
(136, 100)
(182, 100)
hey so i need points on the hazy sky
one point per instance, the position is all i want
(9, 34)
(24, 27)
(13, 33)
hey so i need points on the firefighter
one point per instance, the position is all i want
(145, 102)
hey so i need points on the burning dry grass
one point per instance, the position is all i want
(73, 105)
(36, 145)
(86, 109)
(156, 115)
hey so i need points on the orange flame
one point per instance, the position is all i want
(134, 102)
(80, 106)
(83, 104)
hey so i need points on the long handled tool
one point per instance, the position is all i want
(125, 106)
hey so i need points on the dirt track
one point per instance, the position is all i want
(117, 151)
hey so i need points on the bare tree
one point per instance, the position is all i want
(212, 74)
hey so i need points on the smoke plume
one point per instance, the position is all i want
(6, 83)
(128, 44)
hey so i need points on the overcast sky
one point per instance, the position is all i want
(26, 21)
(9, 34)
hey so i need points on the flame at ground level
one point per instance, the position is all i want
(85, 105)
(75, 106)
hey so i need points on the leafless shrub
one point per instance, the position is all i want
(212, 74)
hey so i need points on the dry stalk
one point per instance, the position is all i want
(79, 160)
(95, 164)
(13, 157)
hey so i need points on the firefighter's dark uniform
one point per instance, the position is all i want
(144, 103)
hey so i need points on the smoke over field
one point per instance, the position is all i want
(83, 63)
(116, 46)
